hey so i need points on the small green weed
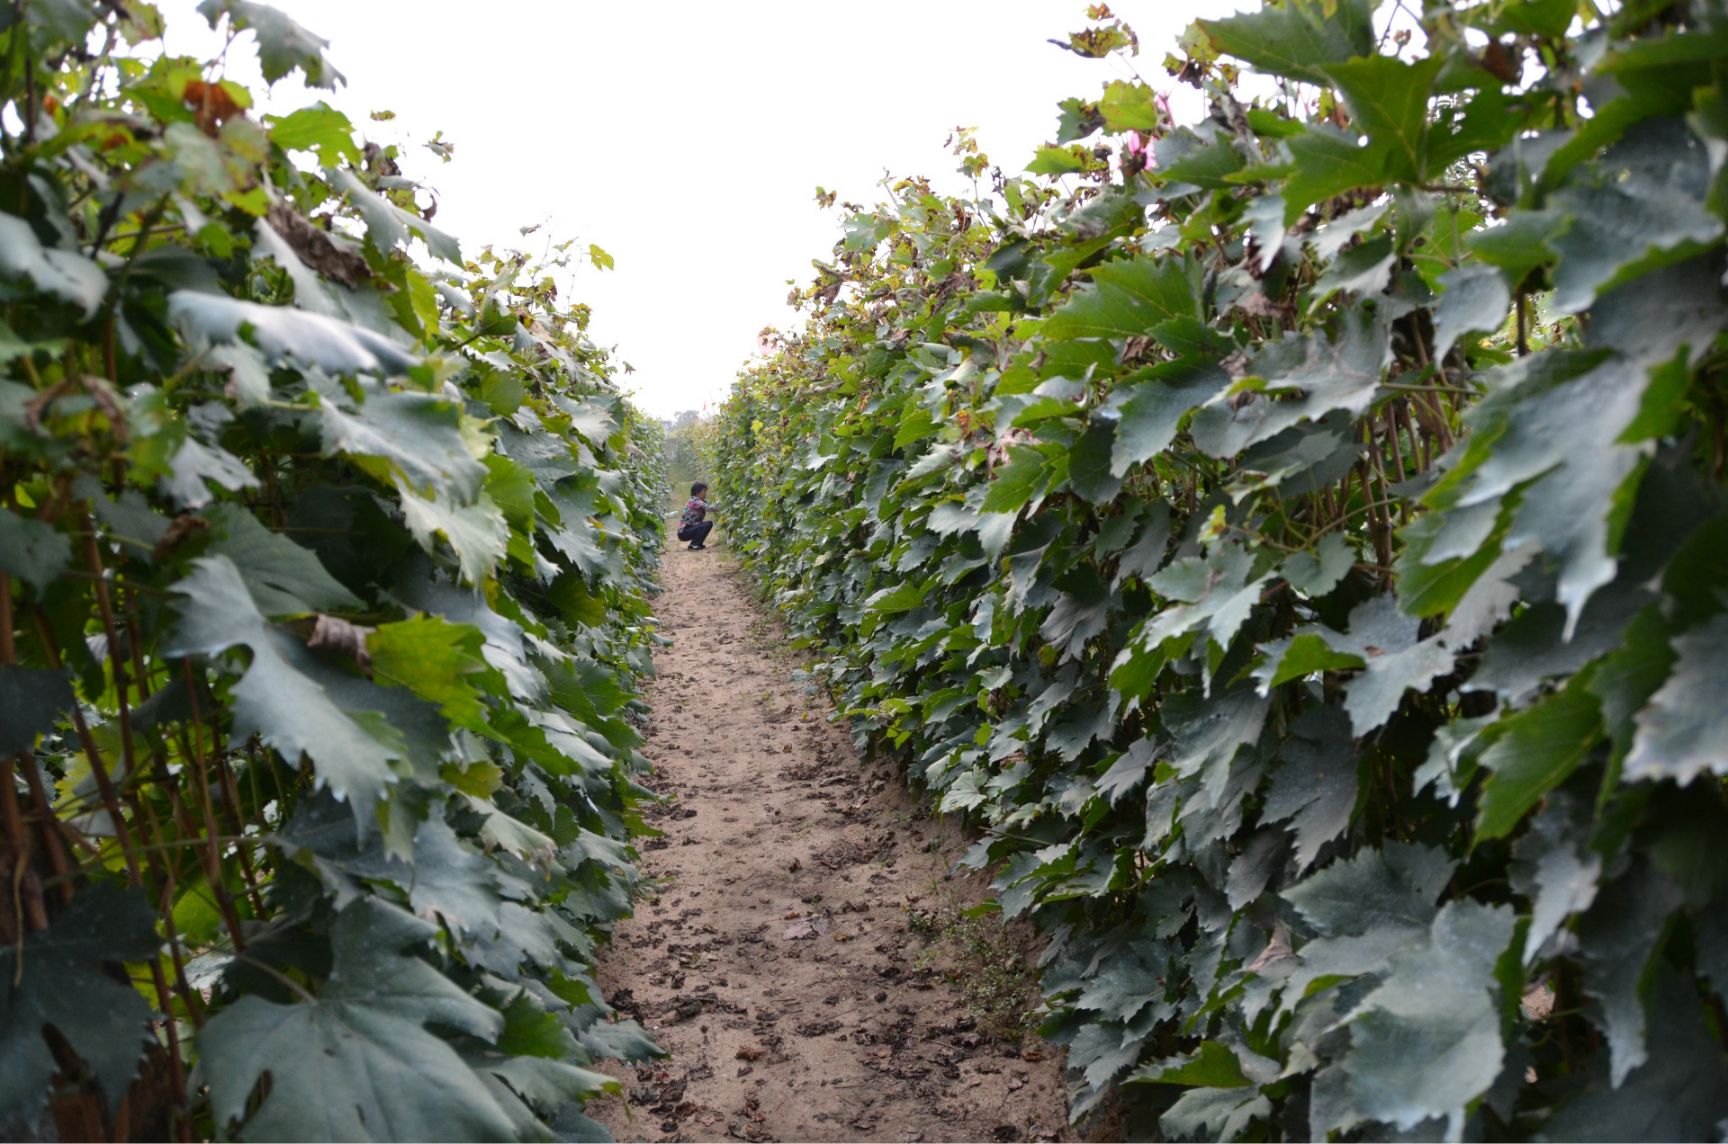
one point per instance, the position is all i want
(979, 955)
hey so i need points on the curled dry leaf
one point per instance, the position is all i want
(332, 633)
(316, 248)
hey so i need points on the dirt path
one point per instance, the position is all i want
(804, 961)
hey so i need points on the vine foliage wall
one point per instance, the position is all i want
(323, 559)
(1297, 538)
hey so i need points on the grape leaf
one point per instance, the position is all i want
(1152, 404)
(418, 434)
(1426, 1043)
(283, 45)
(31, 702)
(1298, 39)
(1318, 572)
(356, 1062)
(282, 577)
(1640, 208)
(1679, 1093)
(283, 332)
(61, 976)
(1554, 870)
(1476, 300)
(1389, 101)
(1396, 661)
(1090, 470)
(1314, 785)
(34, 552)
(1394, 887)
(1683, 731)
(1313, 375)
(388, 226)
(1215, 1113)
(1537, 749)
(1127, 299)
(63, 273)
(276, 698)
(1618, 939)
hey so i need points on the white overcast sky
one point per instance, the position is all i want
(687, 138)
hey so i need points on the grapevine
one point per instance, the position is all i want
(324, 556)
(1295, 538)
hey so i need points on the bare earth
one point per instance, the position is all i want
(794, 961)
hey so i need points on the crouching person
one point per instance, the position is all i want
(694, 526)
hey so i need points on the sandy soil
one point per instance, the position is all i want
(798, 959)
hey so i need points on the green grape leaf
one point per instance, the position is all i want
(1426, 1043)
(282, 577)
(1328, 163)
(278, 697)
(34, 552)
(58, 22)
(1080, 612)
(1318, 572)
(31, 703)
(1128, 106)
(1392, 888)
(62, 977)
(283, 45)
(1314, 784)
(1563, 451)
(1152, 404)
(1299, 39)
(1364, 269)
(1016, 482)
(419, 435)
(477, 532)
(284, 333)
(1476, 299)
(1618, 940)
(1128, 770)
(1395, 660)
(1554, 869)
(356, 1062)
(1215, 1113)
(388, 226)
(1679, 1093)
(1683, 730)
(1536, 750)
(198, 470)
(1211, 730)
(1311, 374)
(1127, 299)
(444, 879)
(1519, 246)
(1212, 1065)
(1297, 656)
(1123, 988)
(433, 659)
(1089, 464)
(319, 128)
(1642, 208)
(62, 273)
(1389, 101)
(1255, 867)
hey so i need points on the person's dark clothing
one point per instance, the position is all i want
(692, 526)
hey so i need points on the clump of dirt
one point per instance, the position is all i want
(806, 959)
